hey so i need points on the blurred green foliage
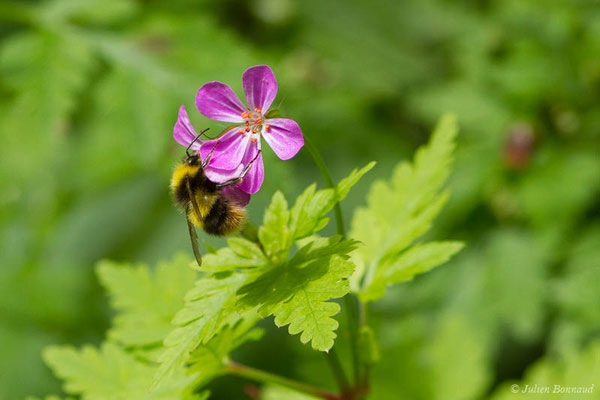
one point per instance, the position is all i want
(90, 92)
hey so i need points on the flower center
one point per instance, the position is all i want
(254, 123)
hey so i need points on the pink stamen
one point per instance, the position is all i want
(258, 121)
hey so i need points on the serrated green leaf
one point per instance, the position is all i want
(274, 234)
(209, 307)
(246, 249)
(400, 211)
(344, 186)
(241, 253)
(309, 312)
(417, 259)
(110, 373)
(279, 282)
(308, 214)
(207, 361)
(145, 300)
(302, 209)
(297, 292)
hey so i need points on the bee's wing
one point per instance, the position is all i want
(191, 229)
(194, 239)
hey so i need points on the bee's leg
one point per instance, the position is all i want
(209, 156)
(242, 175)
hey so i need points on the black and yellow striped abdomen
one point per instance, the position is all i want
(217, 214)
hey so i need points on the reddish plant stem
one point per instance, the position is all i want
(267, 377)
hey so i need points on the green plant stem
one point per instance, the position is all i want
(320, 163)
(366, 372)
(338, 371)
(351, 306)
(267, 377)
(349, 303)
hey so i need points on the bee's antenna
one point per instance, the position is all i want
(193, 141)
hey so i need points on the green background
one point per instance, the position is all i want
(90, 92)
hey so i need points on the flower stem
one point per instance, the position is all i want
(320, 163)
(267, 377)
(338, 371)
(350, 304)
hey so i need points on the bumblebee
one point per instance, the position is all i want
(205, 203)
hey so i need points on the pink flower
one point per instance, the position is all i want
(184, 134)
(240, 145)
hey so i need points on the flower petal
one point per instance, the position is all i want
(184, 132)
(260, 87)
(254, 178)
(236, 194)
(216, 100)
(284, 136)
(229, 149)
(218, 175)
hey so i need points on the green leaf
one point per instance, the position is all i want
(399, 211)
(145, 300)
(278, 283)
(417, 259)
(241, 253)
(274, 234)
(207, 361)
(246, 249)
(110, 373)
(309, 312)
(210, 306)
(297, 292)
(344, 186)
(308, 214)
(306, 206)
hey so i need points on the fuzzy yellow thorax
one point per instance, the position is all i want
(181, 171)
